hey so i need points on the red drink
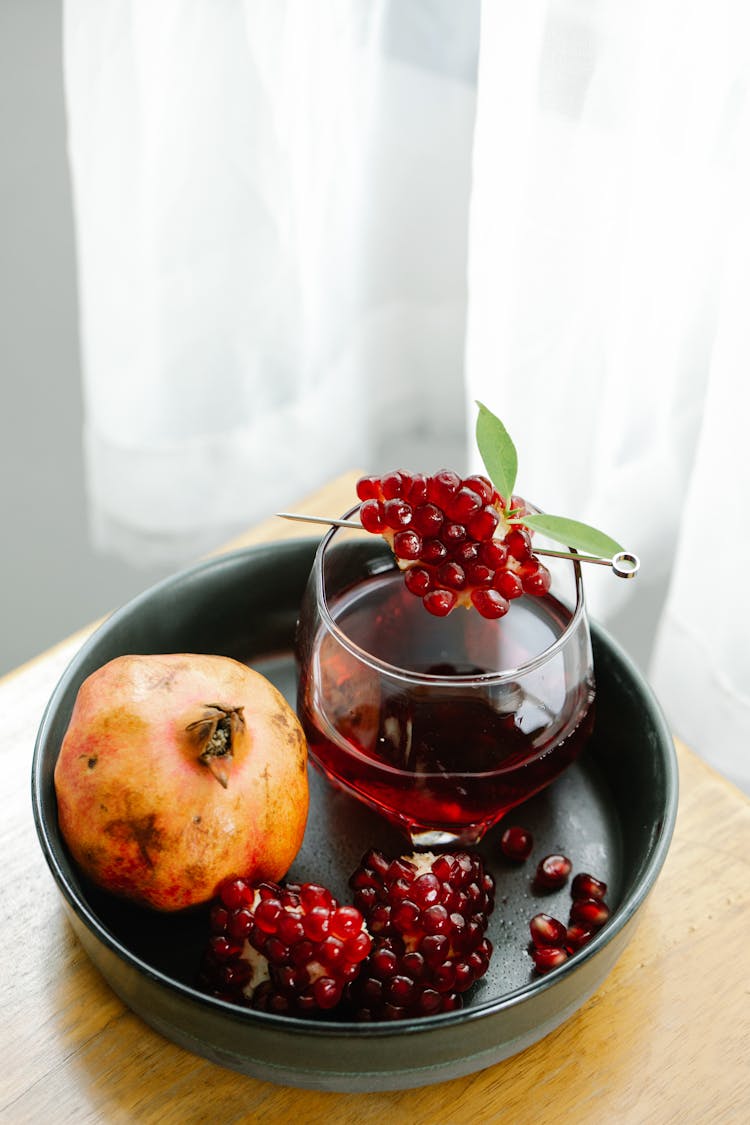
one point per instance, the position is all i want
(411, 715)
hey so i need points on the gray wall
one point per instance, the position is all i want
(51, 581)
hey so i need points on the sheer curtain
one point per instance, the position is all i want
(310, 235)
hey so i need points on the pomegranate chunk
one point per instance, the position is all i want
(459, 533)
(289, 949)
(428, 917)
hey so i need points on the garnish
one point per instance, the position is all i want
(500, 459)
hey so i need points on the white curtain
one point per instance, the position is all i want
(311, 234)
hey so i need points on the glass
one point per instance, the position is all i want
(440, 724)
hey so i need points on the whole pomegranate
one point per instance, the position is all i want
(178, 771)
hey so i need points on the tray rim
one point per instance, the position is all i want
(330, 1028)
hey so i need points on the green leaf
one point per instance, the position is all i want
(498, 452)
(573, 534)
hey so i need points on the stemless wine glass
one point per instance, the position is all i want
(440, 724)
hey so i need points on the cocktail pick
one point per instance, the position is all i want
(624, 564)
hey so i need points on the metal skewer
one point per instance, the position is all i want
(624, 564)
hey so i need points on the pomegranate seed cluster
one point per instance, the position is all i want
(289, 949)
(452, 539)
(428, 916)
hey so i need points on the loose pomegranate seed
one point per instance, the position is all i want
(490, 603)
(546, 930)
(371, 516)
(439, 602)
(586, 886)
(368, 488)
(548, 957)
(590, 912)
(306, 948)
(516, 843)
(396, 513)
(428, 915)
(418, 580)
(407, 545)
(552, 872)
(577, 936)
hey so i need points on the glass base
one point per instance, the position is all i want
(426, 838)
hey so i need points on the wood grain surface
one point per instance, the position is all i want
(666, 1038)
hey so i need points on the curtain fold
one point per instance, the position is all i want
(310, 235)
(271, 203)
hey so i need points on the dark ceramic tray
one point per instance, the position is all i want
(612, 813)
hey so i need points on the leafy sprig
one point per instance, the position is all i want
(501, 462)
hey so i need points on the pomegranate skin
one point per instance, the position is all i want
(154, 810)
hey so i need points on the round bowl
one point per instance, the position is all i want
(612, 812)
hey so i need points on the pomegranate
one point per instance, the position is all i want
(178, 771)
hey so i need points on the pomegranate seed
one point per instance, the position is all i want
(452, 575)
(518, 543)
(371, 516)
(538, 582)
(463, 505)
(442, 487)
(589, 912)
(427, 519)
(586, 886)
(508, 584)
(392, 485)
(482, 525)
(518, 505)
(552, 872)
(467, 552)
(452, 534)
(418, 491)
(477, 574)
(396, 513)
(548, 957)
(418, 580)
(516, 843)
(368, 488)
(546, 930)
(577, 936)
(490, 603)
(493, 554)
(407, 545)
(439, 602)
(481, 486)
(434, 552)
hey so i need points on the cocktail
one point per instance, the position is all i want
(441, 723)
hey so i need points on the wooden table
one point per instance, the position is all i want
(665, 1039)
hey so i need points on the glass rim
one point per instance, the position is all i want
(429, 678)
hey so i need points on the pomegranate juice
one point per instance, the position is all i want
(447, 751)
